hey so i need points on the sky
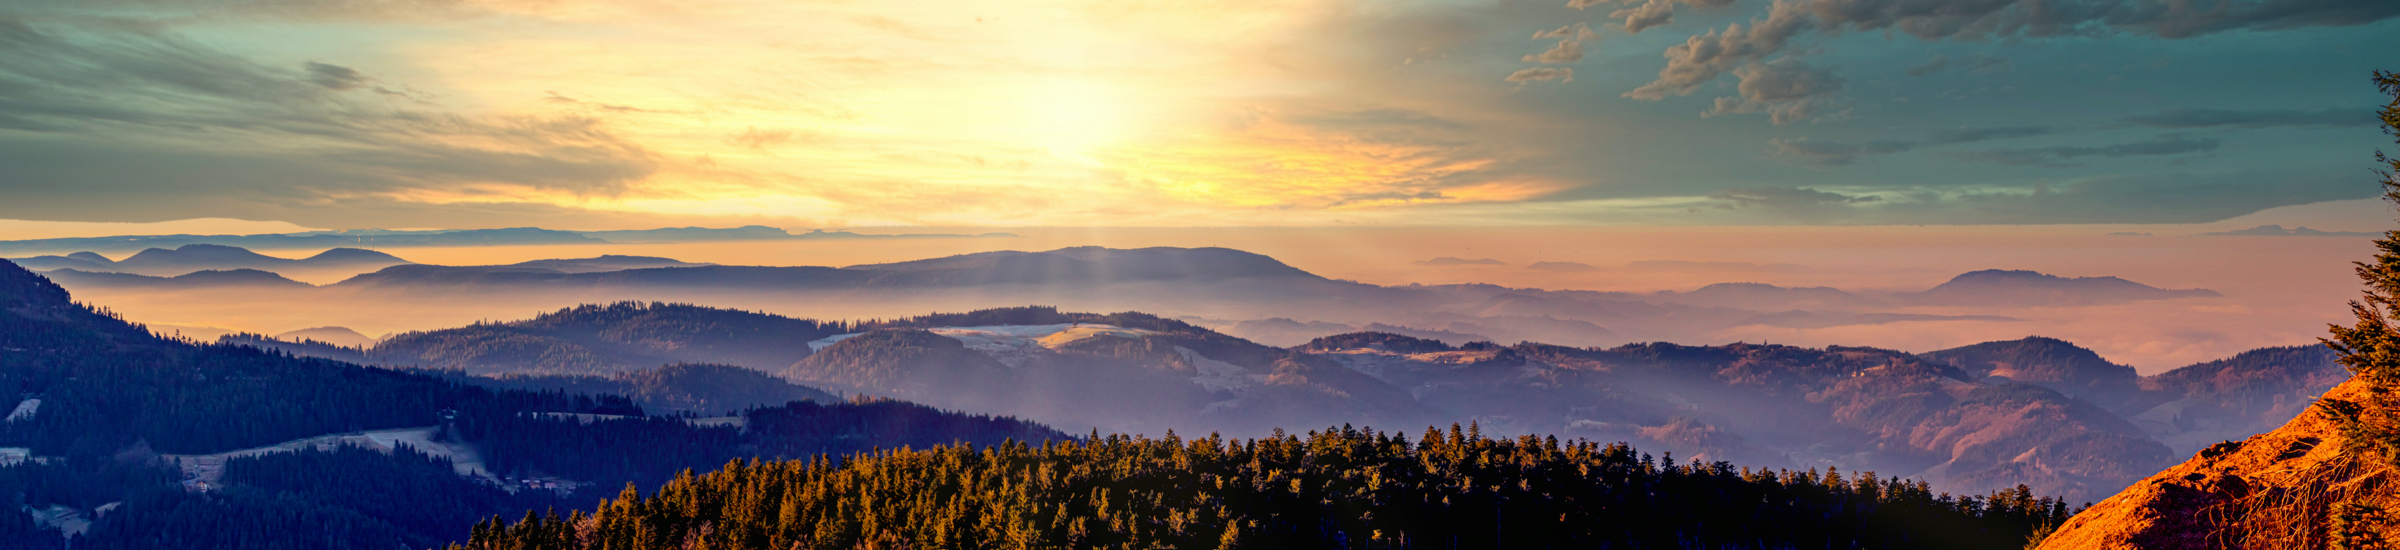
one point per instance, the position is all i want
(608, 114)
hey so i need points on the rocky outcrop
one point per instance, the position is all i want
(2292, 488)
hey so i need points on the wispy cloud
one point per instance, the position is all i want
(2058, 157)
(2215, 118)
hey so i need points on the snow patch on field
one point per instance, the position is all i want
(25, 410)
(1219, 376)
(202, 472)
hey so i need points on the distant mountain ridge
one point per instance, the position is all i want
(2037, 410)
(238, 278)
(205, 257)
(1219, 287)
(2029, 287)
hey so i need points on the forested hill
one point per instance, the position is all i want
(1338, 488)
(104, 399)
(104, 384)
(683, 388)
(605, 339)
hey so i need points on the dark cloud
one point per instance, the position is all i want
(1703, 58)
(1542, 74)
(334, 77)
(1787, 91)
(1646, 14)
(2058, 157)
(2211, 118)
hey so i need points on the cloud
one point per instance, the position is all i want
(1542, 74)
(2057, 157)
(1579, 32)
(334, 77)
(1567, 51)
(2211, 118)
(1656, 13)
(2153, 198)
(1704, 57)
(1970, 134)
(1787, 91)
(1786, 197)
(1834, 153)
(145, 97)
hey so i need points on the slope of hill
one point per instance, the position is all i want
(2304, 485)
(599, 340)
(235, 279)
(697, 389)
(2046, 362)
(339, 336)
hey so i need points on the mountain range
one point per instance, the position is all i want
(208, 257)
(2039, 411)
(1233, 291)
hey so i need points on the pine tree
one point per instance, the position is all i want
(2371, 348)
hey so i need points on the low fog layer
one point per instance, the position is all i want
(2276, 290)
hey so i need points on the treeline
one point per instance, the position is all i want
(650, 450)
(701, 389)
(1339, 488)
(346, 498)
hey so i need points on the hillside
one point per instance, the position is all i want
(2046, 362)
(2289, 488)
(684, 388)
(605, 339)
(239, 279)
